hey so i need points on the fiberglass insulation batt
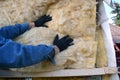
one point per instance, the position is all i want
(76, 18)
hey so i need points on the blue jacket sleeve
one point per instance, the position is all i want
(15, 55)
(13, 31)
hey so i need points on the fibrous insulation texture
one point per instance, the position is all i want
(76, 18)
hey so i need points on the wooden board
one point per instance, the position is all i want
(62, 73)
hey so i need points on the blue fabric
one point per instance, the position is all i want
(13, 31)
(15, 55)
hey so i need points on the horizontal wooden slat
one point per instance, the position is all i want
(62, 73)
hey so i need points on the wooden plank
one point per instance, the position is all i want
(62, 73)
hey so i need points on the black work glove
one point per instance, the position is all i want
(63, 43)
(42, 20)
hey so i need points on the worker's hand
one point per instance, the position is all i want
(63, 43)
(42, 20)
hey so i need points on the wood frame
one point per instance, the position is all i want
(62, 73)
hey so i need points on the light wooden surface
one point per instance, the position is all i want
(62, 73)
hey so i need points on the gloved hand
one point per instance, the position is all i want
(42, 20)
(63, 43)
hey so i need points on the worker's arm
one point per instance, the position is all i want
(15, 55)
(13, 31)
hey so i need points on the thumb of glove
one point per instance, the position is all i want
(56, 39)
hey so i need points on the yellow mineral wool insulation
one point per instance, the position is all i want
(85, 56)
(18, 11)
(101, 51)
(101, 60)
(37, 36)
(76, 56)
(74, 17)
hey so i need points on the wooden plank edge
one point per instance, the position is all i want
(62, 73)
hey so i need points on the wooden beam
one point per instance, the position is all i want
(62, 73)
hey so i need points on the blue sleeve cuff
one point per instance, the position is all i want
(25, 24)
(51, 56)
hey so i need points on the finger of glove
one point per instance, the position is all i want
(70, 44)
(43, 16)
(44, 26)
(69, 40)
(65, 37)
(48, 18)
(56, 39)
